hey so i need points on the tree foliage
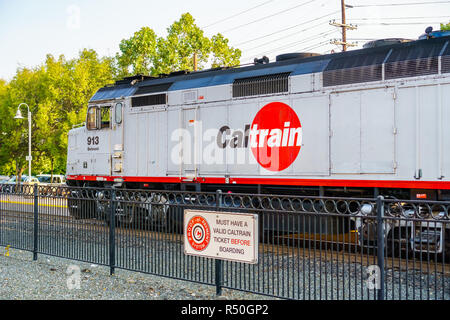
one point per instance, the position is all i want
(145, 53)
(58, 91)
(445, 27)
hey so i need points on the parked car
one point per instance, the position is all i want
(51, 185)
(10, 185)
(3, 181)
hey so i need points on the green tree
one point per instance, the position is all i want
(137, 53)
(57, 93)
(145, 53)
(26, 87)
(445, 27)
(71, 84)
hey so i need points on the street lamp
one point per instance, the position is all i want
(19, 116)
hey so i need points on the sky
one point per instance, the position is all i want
(31, 29)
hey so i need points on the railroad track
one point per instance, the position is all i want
(317, 248)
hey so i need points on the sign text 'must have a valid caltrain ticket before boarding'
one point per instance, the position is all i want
(221, 235)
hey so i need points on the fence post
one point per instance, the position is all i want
(112, 233)
(219, 263)
(380, 245)
(36, 222)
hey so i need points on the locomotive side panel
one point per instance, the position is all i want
(157, 143)
(314, 157)
(427, 130)
(419, 133)
(145, 144)
(97, 150)
(444, 104)
(378, 130)
(239, 157)
(345, 113)
(363, 132)
(406, 134)
(131, 146)
(213, 159)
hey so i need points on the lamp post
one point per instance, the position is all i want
(19, 116)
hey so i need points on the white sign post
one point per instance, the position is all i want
(221, 235)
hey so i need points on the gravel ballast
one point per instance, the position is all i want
(46, 279)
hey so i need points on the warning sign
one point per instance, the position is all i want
(221, 235)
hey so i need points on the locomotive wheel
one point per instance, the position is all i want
(81, 208)
(175, 220)
(74, 208)
(126, 215)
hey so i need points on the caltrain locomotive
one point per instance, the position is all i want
(358, 124)
(353, 122)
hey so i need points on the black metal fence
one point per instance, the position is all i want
(311, 248)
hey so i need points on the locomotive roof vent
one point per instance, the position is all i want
(385, 42)
(263, 60)
(133, 80)
(431, 34)
(296, 55)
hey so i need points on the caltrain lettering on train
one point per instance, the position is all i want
(275, 141)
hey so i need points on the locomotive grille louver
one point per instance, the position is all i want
(445, 64)
(352, 75)
(254, 86)
(412, 68)
(355, 69)
(153, 100)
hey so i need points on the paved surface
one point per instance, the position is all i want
(25, 204)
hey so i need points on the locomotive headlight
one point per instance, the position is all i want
(366, 209)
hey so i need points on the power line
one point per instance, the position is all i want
(269, 16)
(397, 18)
(399, 4)
(363, 39)
(266, 52)
(238, 14)
(397, 23)
(314, 37)
(318, 45)
(288, 36)
(288, 28)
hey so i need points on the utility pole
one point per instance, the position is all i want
(195, 61)
(344, 27)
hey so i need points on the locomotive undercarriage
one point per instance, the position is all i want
(402, 238)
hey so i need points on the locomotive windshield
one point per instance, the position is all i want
(98, 117)
(92, 118)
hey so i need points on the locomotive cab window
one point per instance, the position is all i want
(105, 116)
(92, 123)
(118, 113)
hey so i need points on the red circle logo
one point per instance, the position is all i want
(198, 233)
(276, 136)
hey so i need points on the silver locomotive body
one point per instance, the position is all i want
(371, 118)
